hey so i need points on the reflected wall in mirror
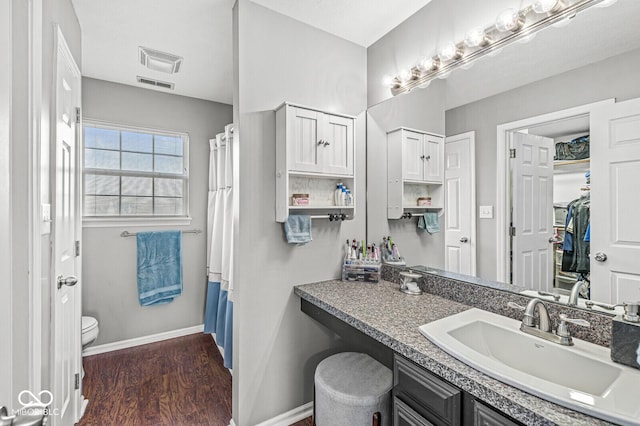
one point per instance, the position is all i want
(594, 58)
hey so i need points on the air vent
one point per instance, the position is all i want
(159, 61)
(157, 83)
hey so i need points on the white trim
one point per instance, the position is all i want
(290, 417)
(232, 423)
(144, 340)
(503, 191)
(119, 222)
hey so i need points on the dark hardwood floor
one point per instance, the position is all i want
(175, 382)
(304, 422)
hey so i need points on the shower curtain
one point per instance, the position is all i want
(219, 306)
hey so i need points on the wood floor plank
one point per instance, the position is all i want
(180, 381)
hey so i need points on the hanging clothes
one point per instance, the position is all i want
(576, 248)
(219, 304)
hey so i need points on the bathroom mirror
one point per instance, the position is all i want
(593, 58)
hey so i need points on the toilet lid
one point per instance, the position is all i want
(88, 323)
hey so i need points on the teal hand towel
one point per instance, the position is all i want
(159, 262)
(429, 222)
(297, 229)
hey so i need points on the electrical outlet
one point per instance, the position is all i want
(486, 212)
(46, 212)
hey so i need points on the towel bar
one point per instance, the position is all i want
(188, 231)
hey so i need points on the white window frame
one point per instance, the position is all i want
(120, 221)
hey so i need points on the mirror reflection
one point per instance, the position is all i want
(526, 220)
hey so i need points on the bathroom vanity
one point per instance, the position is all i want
(430, 386)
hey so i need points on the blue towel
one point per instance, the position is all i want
(429, 222)
(159, 267)
(297, 228)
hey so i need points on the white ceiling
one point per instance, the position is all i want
(201, 33)
(360, 21)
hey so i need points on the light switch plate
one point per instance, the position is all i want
(486, 212)
(46, 212)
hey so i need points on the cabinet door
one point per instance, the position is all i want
(303, 138)
(412, 156)
(335, 153)
(403, 415)
(485, 416)
(433, 159)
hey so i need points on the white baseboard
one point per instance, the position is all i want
(137, 341)
(232, 423)
(289, 417)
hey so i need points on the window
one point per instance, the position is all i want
(131, 172)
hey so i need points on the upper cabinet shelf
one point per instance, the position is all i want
(314, 154)
(415, 169)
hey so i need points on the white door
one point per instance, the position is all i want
(460, 204)
(6, 394)
(615, 202)
(433, 170)
(532, 198)
(336, 151)
(412, 154)
(304, 125)
(66, 302)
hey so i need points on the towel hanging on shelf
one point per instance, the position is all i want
(429, 222)
(297, 229)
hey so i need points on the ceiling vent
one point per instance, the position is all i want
(153, 82)
(159, 61)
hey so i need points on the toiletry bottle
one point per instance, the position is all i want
(337, 194)
(343, 196)
(349, 198)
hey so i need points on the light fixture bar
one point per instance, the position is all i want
(420, 78)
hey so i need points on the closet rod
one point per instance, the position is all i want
(188, 231)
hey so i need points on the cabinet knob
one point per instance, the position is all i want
(326, 143)
(320, 142)
(428, 157)
(422, 157)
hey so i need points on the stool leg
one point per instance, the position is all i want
(376, 419)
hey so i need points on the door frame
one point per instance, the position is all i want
(503, 185)
(472, 164)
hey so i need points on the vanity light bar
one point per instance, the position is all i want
(494, 41)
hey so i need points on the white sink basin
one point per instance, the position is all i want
(581, 377)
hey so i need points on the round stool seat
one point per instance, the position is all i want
(349, 388)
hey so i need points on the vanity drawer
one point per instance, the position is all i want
(485, 416)
(403, 415)
(432, 397)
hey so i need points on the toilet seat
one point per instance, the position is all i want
(88, 324)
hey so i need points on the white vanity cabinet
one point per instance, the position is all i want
(314, 153)
(415, 170)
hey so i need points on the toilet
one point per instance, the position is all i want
(89, 331)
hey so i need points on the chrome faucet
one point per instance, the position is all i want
(575, 292)
(543, 329)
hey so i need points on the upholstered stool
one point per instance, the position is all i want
(352, 389)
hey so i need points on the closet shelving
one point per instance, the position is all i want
(314, 153)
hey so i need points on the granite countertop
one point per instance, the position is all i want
(392, 318)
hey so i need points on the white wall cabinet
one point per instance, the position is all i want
(415, 169)
(319, 142)
(314, 153)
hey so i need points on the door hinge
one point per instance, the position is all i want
(78, 115)
(512, 231)
(77, 384)
(77, 248)
(512, 153)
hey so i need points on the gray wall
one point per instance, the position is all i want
(615, 77)
(423, 110)
(108, 260)
(276, 347)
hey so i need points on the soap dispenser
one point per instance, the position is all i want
(625, 336)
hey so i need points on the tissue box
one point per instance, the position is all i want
(625, 342)
(300, 200)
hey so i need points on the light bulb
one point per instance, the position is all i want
(427, 64)
(527, 39)
(449, 51)
(545, 6)
(475, 37)
(387, 81)
(405, 75)
(445, 75)
(509, 20)
(425, 84)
